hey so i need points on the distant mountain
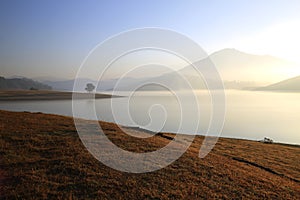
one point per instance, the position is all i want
(178, 82)
(16, 76)
(289, 85)
(47, 78)
(67, 85)
(105, 85)
(234, 65)
(21, 83)
(237, 69)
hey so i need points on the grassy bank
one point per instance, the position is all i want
(43, 157)
(15, 95)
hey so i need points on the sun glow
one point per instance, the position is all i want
(280, 40)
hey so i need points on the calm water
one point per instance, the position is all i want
(250, 115)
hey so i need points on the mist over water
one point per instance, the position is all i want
(249, 115)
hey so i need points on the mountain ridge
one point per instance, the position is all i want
(238, 70)
(22, 83)
(288, 85)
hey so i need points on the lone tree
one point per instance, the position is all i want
(89, 87)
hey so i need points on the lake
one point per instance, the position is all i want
(249, 114)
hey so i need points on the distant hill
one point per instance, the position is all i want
(289, 85)
(238, 70)
(47, 78)
(21, 83)
(235, 65)
(67, 85)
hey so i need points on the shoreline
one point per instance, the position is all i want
(32, 95)
(149, 131)
(162, 134)
(42, 156)
(234, 138)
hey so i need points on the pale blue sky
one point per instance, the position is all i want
(51, 38)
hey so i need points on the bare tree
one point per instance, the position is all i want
(89, 87)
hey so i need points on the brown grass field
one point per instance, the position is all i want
(17, 95)
(42, 157)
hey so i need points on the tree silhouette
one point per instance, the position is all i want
(89, 87)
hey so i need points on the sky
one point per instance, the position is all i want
(52, 37)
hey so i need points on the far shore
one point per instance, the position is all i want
(20, 95)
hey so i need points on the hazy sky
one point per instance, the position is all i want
(51, 38)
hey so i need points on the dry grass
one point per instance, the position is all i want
(43, 157)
